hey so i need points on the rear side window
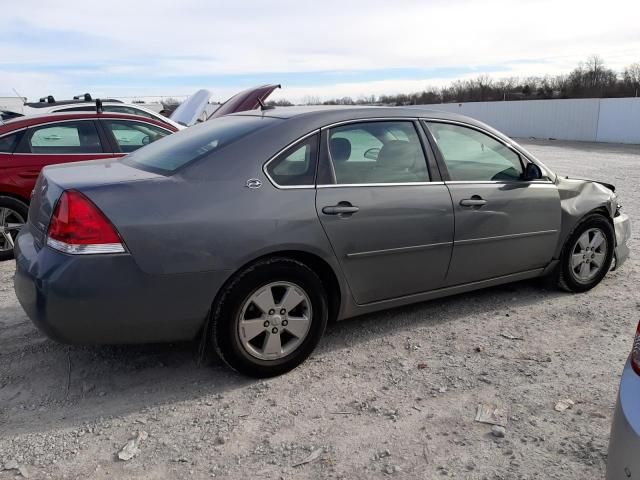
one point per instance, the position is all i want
(8, 142)
(130, 135)
(195, 142)
(296, 166)
(64, 138)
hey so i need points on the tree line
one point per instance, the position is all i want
(590, 79)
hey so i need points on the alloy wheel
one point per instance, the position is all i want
(10, 224)
(588, 255)
(274, 320)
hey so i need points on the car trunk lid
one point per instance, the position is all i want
(246, 100)
(81, 176)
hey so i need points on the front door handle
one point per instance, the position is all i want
(474, 201)
(341, 209)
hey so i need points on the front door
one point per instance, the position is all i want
(390, 225)
(503, 224)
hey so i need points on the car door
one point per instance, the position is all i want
(127, 136)
(503, 223)
(384, 209)
(51, 143)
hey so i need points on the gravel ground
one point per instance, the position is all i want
(387, 395)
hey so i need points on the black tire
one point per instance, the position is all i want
(565, 279)
(226, 315)
(20, 208)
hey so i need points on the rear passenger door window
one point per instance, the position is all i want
(131, 135)
(296, 166)
(64, 138)
(470, 155)
(377, 152)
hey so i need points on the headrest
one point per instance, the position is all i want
(398, 154)
(340, 149)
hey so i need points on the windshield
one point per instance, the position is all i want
(175, 151)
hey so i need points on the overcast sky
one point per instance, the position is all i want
(325, 48)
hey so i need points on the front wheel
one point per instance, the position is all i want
(587, 254)
(270, 317)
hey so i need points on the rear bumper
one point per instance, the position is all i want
(108, 299)
(623, 462)
(622, 226)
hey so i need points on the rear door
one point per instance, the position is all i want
(384, 209)
(51, 143)
(503, 224)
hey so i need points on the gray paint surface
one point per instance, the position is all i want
(189, 232)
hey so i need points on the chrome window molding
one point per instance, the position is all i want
(492, 182)
(372, 119)
(12, 132)
(402, 184)
(278, 153)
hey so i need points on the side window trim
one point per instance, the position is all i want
(326, 173)
(291, 146)
(442, 164)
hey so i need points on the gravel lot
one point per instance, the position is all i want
(387, 395)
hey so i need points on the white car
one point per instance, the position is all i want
(87, 104)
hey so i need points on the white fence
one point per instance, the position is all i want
(615, 120)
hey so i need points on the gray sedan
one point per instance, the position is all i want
(252, 231)
(623, 461)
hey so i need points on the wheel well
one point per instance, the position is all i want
(321, 268)
(15, 197)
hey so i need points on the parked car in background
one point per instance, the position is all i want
(623, 461)
(87, 104)
(27, 144)
(255, 229)
(193, 109)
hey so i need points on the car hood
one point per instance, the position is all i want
(246, 100)
(604, 184)
(189, 111)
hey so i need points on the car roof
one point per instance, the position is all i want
(27, 121)
(324, 114)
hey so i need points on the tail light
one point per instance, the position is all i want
(79, 227)
(635, 352)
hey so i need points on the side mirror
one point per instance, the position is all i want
(532, 172)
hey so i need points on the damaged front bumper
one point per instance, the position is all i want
(622, 226)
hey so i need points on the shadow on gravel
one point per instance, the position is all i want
(44, 384)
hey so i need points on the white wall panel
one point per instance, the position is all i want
(619, 120)
(604, 120)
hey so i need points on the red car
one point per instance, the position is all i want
(27, 144)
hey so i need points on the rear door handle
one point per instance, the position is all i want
(474, 201)
(341, 208)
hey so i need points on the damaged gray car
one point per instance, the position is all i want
(253, 230)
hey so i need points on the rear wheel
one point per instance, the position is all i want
(587, 254)
(270, 317)
(13, 215)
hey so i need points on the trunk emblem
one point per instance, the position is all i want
(254, 183)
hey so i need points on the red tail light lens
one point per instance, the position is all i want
(79, 227)
(635, 352)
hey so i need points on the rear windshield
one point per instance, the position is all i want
(176, 150)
